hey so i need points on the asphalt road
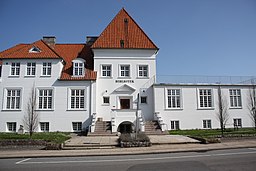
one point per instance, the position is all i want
(222, 160)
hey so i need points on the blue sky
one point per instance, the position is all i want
(195, 37)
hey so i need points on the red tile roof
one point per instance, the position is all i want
(123, 29)
(70, 52)
(22, 51)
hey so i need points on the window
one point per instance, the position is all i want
(205, 98)
(78, 69)
(173, 98)
(47, 69)
(235, 98)
(44, 126)
(237, 122)
(125, 71)
(106, 100)
(143, 71)
(13, 99)
(207, 124)
(77, 99)
(11, 126)
(45, 99)
(15, 69)
(143, 99)
(77, 126)
(31, 69)
(175, 125)
(106, 70)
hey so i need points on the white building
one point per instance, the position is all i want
(106, 86)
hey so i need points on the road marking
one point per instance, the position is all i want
(25, 161)
(19, 162)
(252, 148)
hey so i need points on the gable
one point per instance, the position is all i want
(123, 32)
(124, 89)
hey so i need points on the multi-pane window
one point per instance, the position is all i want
(175, 125)
(47, 68)
(78, 69)
(77, 126)
(207, 124)
(45, 99)
(11, 126)
(31, 68)
(44, 126)
(125, 70)
(77, 99)
(143, 99)
(173, 98)
(235, 98)
(13, 99)
(106, 70)
(143, 71)
(238, 122)
(15, 68)
(205, 98)
(106, 100)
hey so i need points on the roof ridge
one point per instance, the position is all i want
(51, 49)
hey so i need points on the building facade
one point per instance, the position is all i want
(111, 78)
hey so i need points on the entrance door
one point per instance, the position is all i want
(125, 103)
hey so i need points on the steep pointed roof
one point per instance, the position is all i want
(26, 51)
(123, 32)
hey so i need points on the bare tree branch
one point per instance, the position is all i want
(252, 103)
(31, 119)
(222, 113)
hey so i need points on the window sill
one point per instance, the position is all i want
(235, 108)
(46, 110)
(29, 76)
(205, 108)
(45, 76)
(106, 77)
(124, 77)
(7, 110)
(105, 104)
(142, 77)
(173, 109)
(76, 110)
(13, 76)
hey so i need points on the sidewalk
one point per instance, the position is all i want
(167, 148)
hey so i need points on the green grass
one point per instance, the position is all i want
(214, 132)
(55, 137)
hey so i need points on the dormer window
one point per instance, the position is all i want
(78, 67)
(34, 49)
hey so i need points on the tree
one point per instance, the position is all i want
(252, 103)
(31, 118)
(222, 113)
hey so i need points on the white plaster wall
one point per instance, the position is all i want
(190, 116)
(60, 118)
(106, 86)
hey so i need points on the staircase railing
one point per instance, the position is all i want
(113, 121)
(141, 119)
(93, 122)
(160, 121)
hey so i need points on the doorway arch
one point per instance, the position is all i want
(125, 127)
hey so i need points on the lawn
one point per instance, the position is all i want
(55, 137)
(208, 133)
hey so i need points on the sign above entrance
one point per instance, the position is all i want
(124, 81)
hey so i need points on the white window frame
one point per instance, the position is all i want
(103, 100)
(78, 67)
(177, 98)
(15, 69)
(174, 124)
(43, 99)
(124, 71)
(205, 99)
(207, 124)
(238, 122)
(12, 125)
(12, 101)
(141, 102)
(46, 69)
(142, 71)
(107, 71)
(76, 126)
(31, 69)
(74, 97)
(44, 126)
(235, 98)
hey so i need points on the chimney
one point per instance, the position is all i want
(50, 40)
